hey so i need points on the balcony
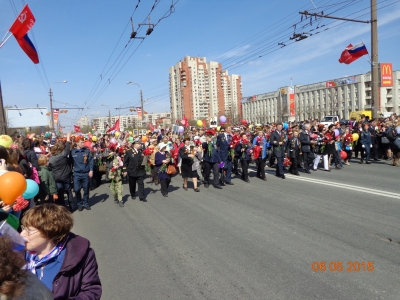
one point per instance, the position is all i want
(389, 105)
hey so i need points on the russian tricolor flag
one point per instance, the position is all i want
(26, 44)
(352, 53)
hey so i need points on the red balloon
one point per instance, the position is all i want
(244, 122)
(343, 154)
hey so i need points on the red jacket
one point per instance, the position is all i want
(78, 278)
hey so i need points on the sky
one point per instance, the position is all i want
(88, 44)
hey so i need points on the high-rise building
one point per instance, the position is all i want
(201, 90)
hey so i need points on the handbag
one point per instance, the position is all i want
(102, 168)
(385, 140)
(171, 169)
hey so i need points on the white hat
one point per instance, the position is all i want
(163, 145)
(196, 137)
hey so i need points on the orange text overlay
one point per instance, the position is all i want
(340, 266)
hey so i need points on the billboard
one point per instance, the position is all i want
(27, 117)
(292, 104)
(386, 74)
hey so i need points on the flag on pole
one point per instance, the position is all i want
(115, 127)
(186, 121)
(27, 46)
(352, 53)
(77, 128)
(139, 113)
(204, 123)
(151, 126)
(23, 23)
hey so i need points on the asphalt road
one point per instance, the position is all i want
(257, 240)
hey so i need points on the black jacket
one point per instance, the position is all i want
(305, 142)
(60, 165)
(293, 147)
(31, 157)
(279, 150)
(133, 163)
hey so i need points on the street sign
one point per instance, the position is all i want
(213, 122)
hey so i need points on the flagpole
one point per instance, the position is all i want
(369, 60)
(5, 40)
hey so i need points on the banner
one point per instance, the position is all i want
(292, 104)
(23, 23)
(55, 115)
(139, 113)
(386, 74)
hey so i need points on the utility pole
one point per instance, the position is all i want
(375, 101)
(141, 103)
(3, 121)
(51, 110)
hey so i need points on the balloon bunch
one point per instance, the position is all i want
(14, 185)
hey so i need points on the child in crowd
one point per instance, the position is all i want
(47, 186)
(115, 175)
(338, 146)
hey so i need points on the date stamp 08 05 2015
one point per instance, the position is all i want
(339, 266)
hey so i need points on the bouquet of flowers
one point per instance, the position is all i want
(163, 168)
(20, 204)
(287, 162)
(325, 140)
(148, 151)
(245, 146)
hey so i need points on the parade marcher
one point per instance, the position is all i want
(211, 159)
(63, 261)
(47, 187)
(83, 171)
(293, 150)
(134, 168)
(366, 144)
(153, 169)
(30, 155)
(374, 141)
(223, 141)
(278, 142)
(61, 168)
(236, 156)
(115, 175)
(306, 148)
(330, 147)
(245, 150)
(161, 160)
(187, 156)
(260, 145)
(347, 145)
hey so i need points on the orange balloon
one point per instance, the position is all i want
(144, 139)
(12, 185)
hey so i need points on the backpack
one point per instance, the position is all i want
(391, 134)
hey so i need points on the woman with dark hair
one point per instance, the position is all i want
(30, 155)
(16, 283)
(61, 260)
(187, 156)
(61, 168)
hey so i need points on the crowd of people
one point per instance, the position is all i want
(54, 259)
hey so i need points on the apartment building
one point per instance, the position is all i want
(203, 90)
(132, 121)
(314, 101)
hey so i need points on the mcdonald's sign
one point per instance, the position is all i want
(386, 74)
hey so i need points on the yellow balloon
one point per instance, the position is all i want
(200, 123)
(355, 136)
(5, 141)
(130, 132)
(218, 128)
(117, 134)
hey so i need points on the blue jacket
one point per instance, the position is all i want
(238, 149)
(223, 146)
(214, 158)
(265, 145)
(365, 138)
(78, 155)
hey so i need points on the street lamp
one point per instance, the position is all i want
(141, 97)
(51, 103)
(109, 114)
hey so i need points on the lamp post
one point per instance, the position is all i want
(109, 114)
(141, 97)
(51, 103)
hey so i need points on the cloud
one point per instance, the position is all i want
(148, 55)
(237, 51)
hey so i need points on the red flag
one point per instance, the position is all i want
(204, 123)
(23, 23)
(115, 127)
(28, 47)
(77, 128)
(186, 121)
(151, 126)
